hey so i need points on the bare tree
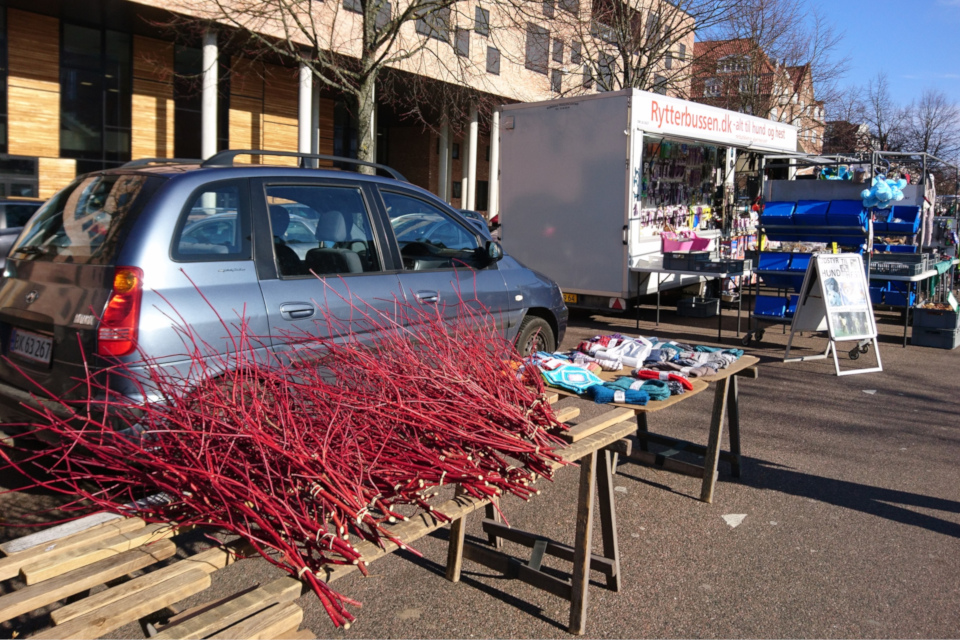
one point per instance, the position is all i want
(934, 125)
(345, 45)
(765, 57)
(886, 118)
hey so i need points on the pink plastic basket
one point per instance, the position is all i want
(683, 241)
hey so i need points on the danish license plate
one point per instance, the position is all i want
(572, 298)
(31, 346)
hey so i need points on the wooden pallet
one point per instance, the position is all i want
(63, 563)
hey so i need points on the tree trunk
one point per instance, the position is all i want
(366, 107)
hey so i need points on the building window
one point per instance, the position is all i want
(18, 177)
(748, 85)
(605, 69)
(660, 85)
(434, 23)
(188, 103)
(493, 60)
(711, 88)
(457, 191)
(587, 78)
(668, 61)
(653, 26)
(462, 42)
(570, 6)
(576, 53)
(482, 196)
(455, 151)
(481, 21)
(538, 48)
(95, 96)
(682, 52)
(556, 81)
(549, 8)
(353, 6)
(3, 80)
(558, 51)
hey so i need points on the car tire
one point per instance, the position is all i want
(535, 335)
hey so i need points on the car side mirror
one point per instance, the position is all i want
(494, 251)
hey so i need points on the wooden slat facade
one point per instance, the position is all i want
(33, 103)
(54, 174)
(153, 106)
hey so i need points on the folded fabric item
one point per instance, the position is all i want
(664, 366)
(607, 363)
(697, 372)
(675, 388)
(705, 349)
(734, 352)
(656, 389)
(603, 394)
(582, 359)
(660, 355)
(593, 366)
(576, 379)
(631, 352)
(626, 382)
(648, 374)
(681, 346)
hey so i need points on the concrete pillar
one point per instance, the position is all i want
(315, 120)
(304, 110)
(443, 170)
(472, 161)
(493, 202)
(464, 171)
(208, 134)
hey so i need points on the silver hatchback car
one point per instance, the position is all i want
(101, 267)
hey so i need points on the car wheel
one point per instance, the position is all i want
(535, 335)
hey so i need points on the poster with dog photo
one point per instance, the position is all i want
(843, 284)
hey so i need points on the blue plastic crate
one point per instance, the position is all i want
(792, 306)
(898, 299)
(902, 248)
(773, 261)
(770, 306)
(846, 213)
(904, 219)
(811, 213)
(799, 261)
(876, 295)
(777, 214)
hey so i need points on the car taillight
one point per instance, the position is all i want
(117, 334)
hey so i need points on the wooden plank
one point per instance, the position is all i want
(455, 547)
(584, 429)
(219, 618)
(567, 413)
(152, 116)
(279, 137)
(302, 634)
(712, 456)
(207, 561)
(106, 619)
(552, 397)
(10, 566)
(608, 517)
(583, 544)
(246, 79)
(45, 568)
(54, 174)
(513, 568)
(280, 93)
(733, 417)
(266, 624)
(71, 583)
(153, 60)
(554, 548)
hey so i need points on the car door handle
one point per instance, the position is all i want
(430, 297)
(297, 310)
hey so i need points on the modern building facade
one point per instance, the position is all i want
(91, 84)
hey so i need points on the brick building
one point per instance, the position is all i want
(738, 75)
(90, 84)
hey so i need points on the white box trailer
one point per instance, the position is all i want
(571, 174)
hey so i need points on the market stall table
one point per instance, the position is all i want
(726, 406)
(655, 266)
(912, 281)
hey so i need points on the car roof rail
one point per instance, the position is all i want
(143, 162)
(225, 159)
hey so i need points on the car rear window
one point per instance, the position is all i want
(84, 222)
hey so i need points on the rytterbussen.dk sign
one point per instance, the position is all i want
(659, 114)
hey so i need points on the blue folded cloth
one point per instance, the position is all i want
(604, 394)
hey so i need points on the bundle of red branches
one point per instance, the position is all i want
(307, 452)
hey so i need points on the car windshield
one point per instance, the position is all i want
(84, 221)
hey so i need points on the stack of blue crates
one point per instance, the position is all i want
(814, 220)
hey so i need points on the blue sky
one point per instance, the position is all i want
(916, 42)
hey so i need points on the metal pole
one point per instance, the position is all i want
(472, 161)
(443, 170)
(304, 110)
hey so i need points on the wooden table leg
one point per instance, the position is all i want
(455, 548)
(713, 444)
(583, 542)
(492, 513)
(733, 418)
(642, 428)
(608, 516)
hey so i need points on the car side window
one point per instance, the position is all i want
(215, 226)
(429, 237)
(322, 230)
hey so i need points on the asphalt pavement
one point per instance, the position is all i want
(845, 522)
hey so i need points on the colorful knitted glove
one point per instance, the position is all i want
(647, 374)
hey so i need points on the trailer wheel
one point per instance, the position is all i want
(746, 340)
(759, 335)
(854, 353)
(864, 348)
(535, 335)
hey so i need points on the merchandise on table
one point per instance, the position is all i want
(658, 369)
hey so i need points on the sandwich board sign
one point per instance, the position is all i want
(835, 298)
